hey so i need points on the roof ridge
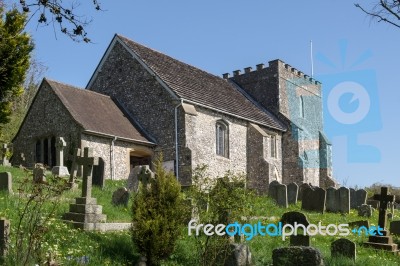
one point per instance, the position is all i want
(74, 87)
(197, 68)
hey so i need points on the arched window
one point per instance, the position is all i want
(222, 138)
(301, 99)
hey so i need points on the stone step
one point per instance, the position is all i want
(86, 201)
(85, 217)
(388, 247)
(380, 239)
(86, 208)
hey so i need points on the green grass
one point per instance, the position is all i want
(70, 245)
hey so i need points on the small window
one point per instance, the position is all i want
(301, 106)
(222, 139)
(273, 146)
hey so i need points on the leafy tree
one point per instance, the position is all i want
(60, 13)
(384, 10)
(15, 53)
(158, 213)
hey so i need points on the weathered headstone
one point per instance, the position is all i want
(281, 196)
(300, 240)
(373, 203)
(292, 193)
(39, 173)
(302, 187)
(4, 159)
(4, 236)
(273, 189)
(6, 181)
(296, 255)
(391, 207)
(343, 200)
(331, 199)
(120, 197)
(353, 201)
(74, 168)
(98, 174)
(383, 241)
(133, 179)
(361, 197)
(358, 224)
(314, 199)
(294, 217)
(85, 213)
(60, 169)
(365, 210)
(395, 227)
(240, 255)
(146, 175)
(343, 248)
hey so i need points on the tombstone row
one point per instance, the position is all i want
(283, 194)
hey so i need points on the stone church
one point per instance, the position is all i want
(264, 122)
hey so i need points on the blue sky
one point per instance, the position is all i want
(222, 36)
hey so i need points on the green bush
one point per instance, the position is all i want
(158, 213)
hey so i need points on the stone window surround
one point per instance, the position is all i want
(222, 138)
(39, 156)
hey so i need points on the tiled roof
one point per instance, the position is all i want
(95, 112)
(198, 86)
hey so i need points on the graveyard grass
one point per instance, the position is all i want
(72, 247)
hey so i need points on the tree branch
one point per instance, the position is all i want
(378, 16)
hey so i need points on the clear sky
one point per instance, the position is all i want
(222, 36)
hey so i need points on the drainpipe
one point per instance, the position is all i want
(113, 159)
(176, 140)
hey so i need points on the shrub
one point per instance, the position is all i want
(158, 212)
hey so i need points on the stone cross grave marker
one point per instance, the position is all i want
(87, 161)
(4, 236)
(384, 198)
(74, 167)
(6, 181)
(4, 160)
(60, 169)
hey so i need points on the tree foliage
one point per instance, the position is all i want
(15, 53)
(158, 213)
(384, 10)
(60, 13)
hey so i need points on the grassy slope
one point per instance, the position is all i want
(117, 249)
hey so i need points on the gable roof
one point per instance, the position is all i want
(199, 87)
(96, 113)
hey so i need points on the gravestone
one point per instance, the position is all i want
(384, 241)
(343, 197)
(353, 201)
(365, 210)
(239, 255)
(395, 227)
(133, 179)
(331, 200)
(6, 181)
(120, 197)
(85, 213)
(4, 237)
(373, 203)
(281, 196)
(361, 197)
(301, 189)
(60, 169)
(74, 168)
(391, 207)
(273, 189)
(4, 159)
(343, 248)
(292, 193)
(314, 199)
(294, 218)
(39, 173)
(296, 255)
(98, 174)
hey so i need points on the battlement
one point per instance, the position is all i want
(274, 65)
